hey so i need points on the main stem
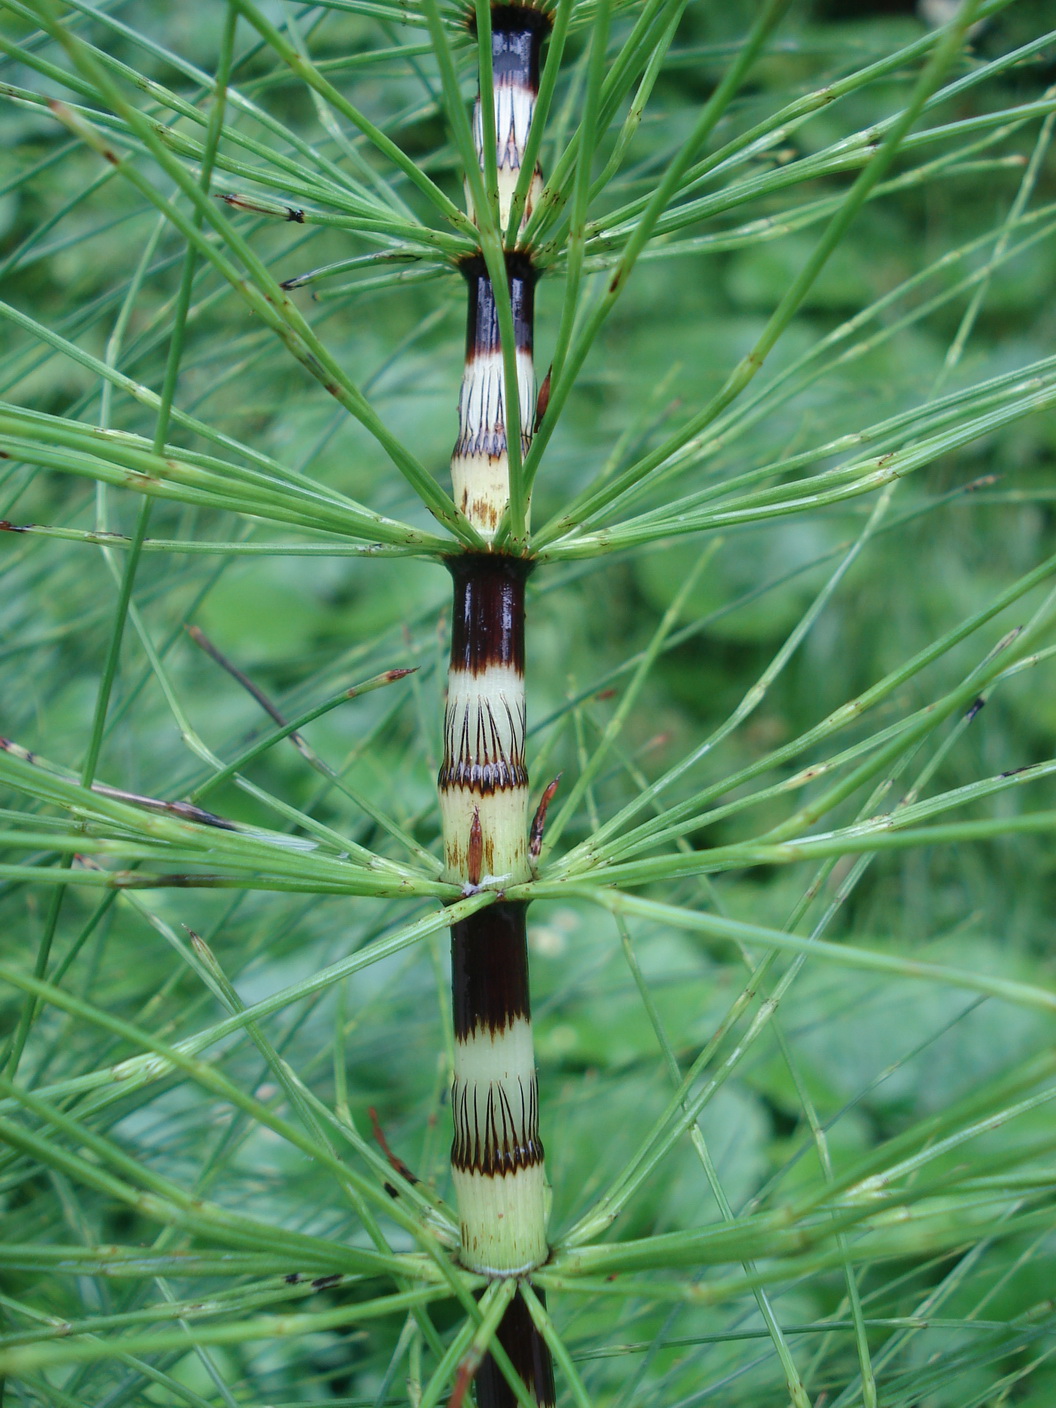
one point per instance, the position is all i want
(496, 1154)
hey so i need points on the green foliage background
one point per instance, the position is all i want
(955, 1301)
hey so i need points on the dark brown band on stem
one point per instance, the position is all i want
(517, 34)
(496, 1149)
(489, 969)
(523, 18)
(482, 320)
(529, 1355)
(487, 619)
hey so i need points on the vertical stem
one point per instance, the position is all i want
(496, 1158)
(483, 781)
(480, 466)
(496, 1155)
(529, 1353)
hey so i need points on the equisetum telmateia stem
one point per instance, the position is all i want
(496, 1155)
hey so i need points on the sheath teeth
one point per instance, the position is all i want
(514, 110)
(496, 1153)
(495, 1103)
(480, 466)
(516, 40)
(480, 469)
(484, 732)
(482, 406)
(483, 781)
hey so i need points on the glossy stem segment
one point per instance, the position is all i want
(496, 1154)
(483, 782)
(480, 470)
(517, 34)
(480, 463)
(530, 1355)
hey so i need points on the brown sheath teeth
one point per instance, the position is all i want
(484, 778)
(496, 1155)
(490, 441)
(475, 755)
(495, 1134)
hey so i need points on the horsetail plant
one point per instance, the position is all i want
(798, 1123)
(496, 1155)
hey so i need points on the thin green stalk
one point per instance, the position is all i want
(263, 294)
(315, 80)
(110, 666)
(166, 1201)
(133, 1072)
(582, 189)
(843, 955)
(243, 1330)
(1012, 220)
(838, 719)
(793, 1379)
(630, 697)
(833, 236)
(547, 88)
(648, 30)
(769, 17)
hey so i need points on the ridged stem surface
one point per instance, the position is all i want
(496, 1154)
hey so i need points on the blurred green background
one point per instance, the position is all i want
(874, 1057)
